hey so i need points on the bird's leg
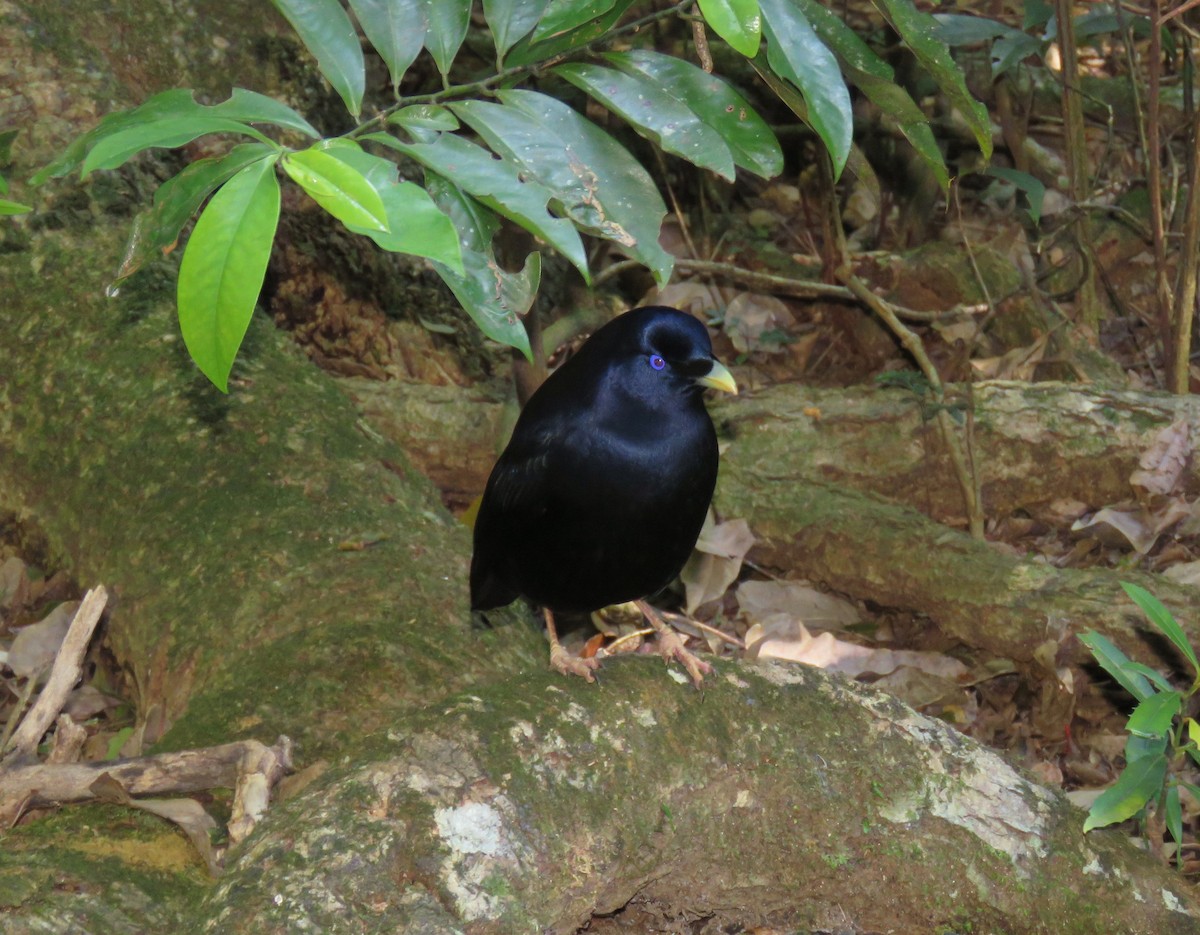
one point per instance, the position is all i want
(561, 660)
(670, 645)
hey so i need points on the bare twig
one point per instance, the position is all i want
(68, 666)
(912, 344)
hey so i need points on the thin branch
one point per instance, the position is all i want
(913, 345)
(68, 666)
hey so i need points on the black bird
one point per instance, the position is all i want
(600, 495)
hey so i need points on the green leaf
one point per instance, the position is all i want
(875, 78)
(424, 117)
(1158, 615)
(325, 29)
(655, 113)
(178, 104)
(1138, 748)
(156, 229)
(563, 16)
(1035, 191)
(415, 225)
(1138, 783)
(510, 20)
(448, 22)
(738, 22)
(1153, 717)
(540, 45)
(1173, 813)
(500, 186)
(223, 267)
(116, 150)
(338, 188)
(493, 297)
(956, 29)
(920, 33)
(12, 207)
(1116, 664)
(1009, 51)
(795, 53)
(1159, 680)
(747, 135)
(604, 190)
(396, 28)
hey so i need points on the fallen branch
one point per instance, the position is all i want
(68, 665)
(245, 765)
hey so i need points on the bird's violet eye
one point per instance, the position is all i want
(657, 362)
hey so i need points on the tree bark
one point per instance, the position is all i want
(278, 568)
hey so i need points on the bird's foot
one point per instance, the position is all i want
(568, 664)
(670, 646)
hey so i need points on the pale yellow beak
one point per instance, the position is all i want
(719, 378)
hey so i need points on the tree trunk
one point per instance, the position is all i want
(277, 568)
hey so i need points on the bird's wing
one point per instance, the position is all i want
(518, 482)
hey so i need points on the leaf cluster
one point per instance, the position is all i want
(501, 147)
(1161, 733)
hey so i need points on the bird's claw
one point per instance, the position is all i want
(569, 664)
(670, 646)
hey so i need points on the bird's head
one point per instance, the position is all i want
(668, 352)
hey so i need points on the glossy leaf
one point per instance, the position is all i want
(448, 22)
(242, 106)
(1158, 615)
(562, 16)
(396, 28)
(796, 53)
(875, 78)
(536, 47)
(920, 33)
(1157, 678)
(116, 150)
(1138, 747)
(1173, 815)
(415, 225)
(716, 102)
(223, 266)
(424, 117)
(495, 299)
(1116, 664)
(1153, 716)
(601, 187)
(956, 29)
(1138, 783)
(13, 207)
(655, 113)
(338, 188)
(500, 185)
(510, 20)
(156, 229)
(738, 22)
(325, 29)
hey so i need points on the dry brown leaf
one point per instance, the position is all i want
(1161, 466)
(34, 647)
(1137, 528)
(750, 320)
(1017, 364)
(716, 561)
(781, 637)
(186, 814)
(760, 599)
